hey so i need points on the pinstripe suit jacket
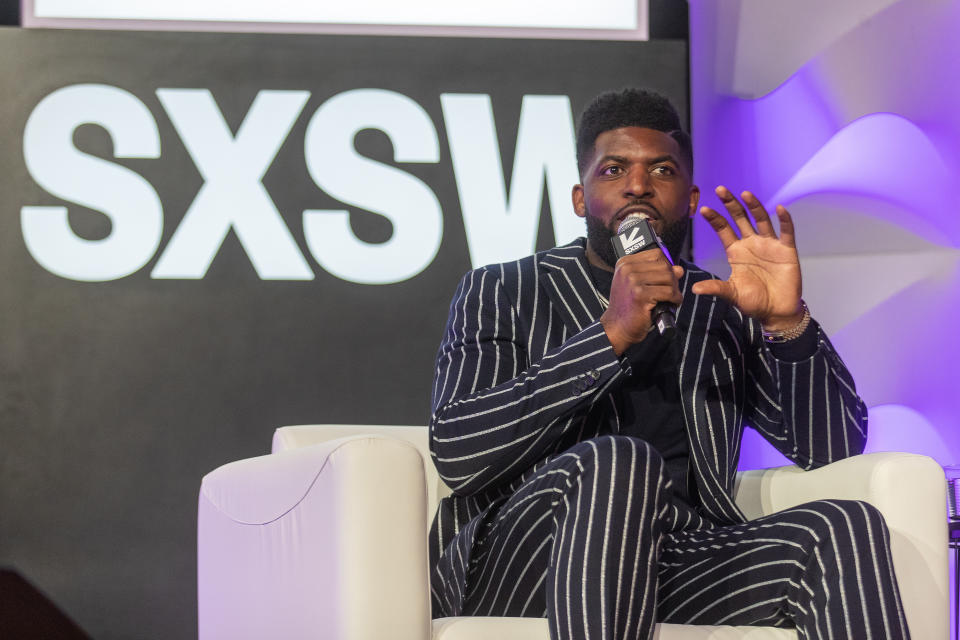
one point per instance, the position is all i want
(525, 371)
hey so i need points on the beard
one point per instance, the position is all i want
(673, 236)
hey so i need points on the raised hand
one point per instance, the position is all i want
(765, 280)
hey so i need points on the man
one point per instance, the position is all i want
(593, 461)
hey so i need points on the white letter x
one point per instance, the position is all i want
(233, 195)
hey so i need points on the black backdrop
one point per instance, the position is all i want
(116, 397)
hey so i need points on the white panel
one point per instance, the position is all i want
(771, 39)
(617, 15)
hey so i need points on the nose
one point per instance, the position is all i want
(637, 184)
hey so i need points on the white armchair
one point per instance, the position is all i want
(327, 538)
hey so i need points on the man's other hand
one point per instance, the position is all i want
(765, 280)
(640, 281)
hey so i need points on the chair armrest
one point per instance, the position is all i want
(305, 435)
(319, 542)
(910, 492)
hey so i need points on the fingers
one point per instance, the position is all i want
(736, 211)
(724, 231)
(650, 276)
(652, 261)
(645, 272)
(719, 288)
(739, 216)
(764, 225)
(651, 294)
(787, 236)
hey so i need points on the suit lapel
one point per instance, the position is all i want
(566, 282)
(700, 318)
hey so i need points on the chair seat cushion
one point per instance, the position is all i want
(476, 628)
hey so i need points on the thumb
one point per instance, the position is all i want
(678, 271)
(719, 288)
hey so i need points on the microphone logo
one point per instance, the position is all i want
(633, 240)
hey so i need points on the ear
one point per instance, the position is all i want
(579, 207)
(694, 200)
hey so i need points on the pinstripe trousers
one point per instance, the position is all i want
(591, 542)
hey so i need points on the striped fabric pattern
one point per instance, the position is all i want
(576, 542)
(525, 372)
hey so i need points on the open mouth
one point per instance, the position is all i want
(644, 211)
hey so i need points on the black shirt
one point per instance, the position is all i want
(650, 398)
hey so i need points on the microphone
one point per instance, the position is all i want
(634, 235)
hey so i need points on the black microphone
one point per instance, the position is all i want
(633, 236)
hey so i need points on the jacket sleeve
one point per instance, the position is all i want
(802, 398)
(495, 413)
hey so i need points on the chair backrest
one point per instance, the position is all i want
(294, 437)
(746, 492)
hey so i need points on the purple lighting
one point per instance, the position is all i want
(882, 156)
(861, 140)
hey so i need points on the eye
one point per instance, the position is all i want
(663, 170)
(611, 170)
